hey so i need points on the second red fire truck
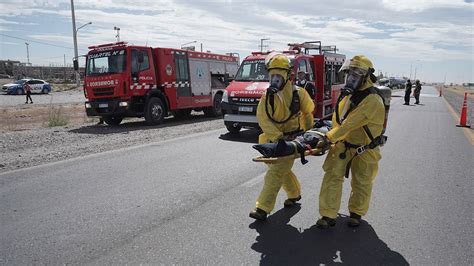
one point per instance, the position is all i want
(321, 63)
(124, 80)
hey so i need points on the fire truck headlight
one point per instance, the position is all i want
(88, 105)
(225, 97)
(123, 104)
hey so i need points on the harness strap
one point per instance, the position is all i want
(359, 150)
(378, 141)
(294, 107)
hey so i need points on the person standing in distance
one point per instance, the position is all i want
(27, 89)
(417, 91)
(303, 83)
(407, 93)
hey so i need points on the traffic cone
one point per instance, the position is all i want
(462, 121)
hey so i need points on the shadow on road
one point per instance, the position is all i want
(248, 136)
(282, 244)
(129, 126)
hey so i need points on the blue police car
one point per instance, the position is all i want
(37, 85)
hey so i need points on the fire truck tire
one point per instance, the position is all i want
(231, 128)
(112, 120)
(216, 108)
(155, 111)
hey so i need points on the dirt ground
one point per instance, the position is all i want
(27, 117)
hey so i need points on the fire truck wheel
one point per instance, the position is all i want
(216, 108)
(113, 120)
(231, 128)
(155, 111)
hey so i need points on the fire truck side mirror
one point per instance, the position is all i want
(75, 64)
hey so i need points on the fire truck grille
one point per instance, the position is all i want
(103, 91)
(245, 100)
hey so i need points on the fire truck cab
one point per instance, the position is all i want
(124, 80)
(321, 63)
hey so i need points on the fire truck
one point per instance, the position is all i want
(124, 80)
(321, 64)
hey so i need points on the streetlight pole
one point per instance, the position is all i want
(182, 45)
(261, 44)
(118, 33)
(411, 64)
(76, 58)
(88, 23)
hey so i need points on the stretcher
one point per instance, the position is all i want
(271, 160)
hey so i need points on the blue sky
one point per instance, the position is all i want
(434, 38)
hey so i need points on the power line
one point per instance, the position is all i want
(44, 43)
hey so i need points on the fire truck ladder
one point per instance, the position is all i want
(329, 48)
(306, 47)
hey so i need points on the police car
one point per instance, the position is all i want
(37, 85)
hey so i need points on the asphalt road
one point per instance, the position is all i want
(186, 201)
(55, 97)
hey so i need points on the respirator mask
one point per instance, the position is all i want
(277, 83)
(355, 77)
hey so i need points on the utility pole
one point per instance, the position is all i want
(261, 44)
(27, 54)
(64, 68)
(118, 33)
(74, 36)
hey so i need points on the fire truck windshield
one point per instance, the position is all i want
(107, 62)
(252, 70)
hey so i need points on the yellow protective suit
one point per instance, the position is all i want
(364, 167)
(280, 175)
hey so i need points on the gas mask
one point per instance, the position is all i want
(277, 83)
(354, 79)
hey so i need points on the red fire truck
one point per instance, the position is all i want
(124, 80)
(321, 63)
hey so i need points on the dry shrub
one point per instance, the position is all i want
(56, 117)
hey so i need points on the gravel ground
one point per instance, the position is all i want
(20, 149)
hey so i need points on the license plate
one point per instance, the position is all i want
(245, 109)
(103, 105)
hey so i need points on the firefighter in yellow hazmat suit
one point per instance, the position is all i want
(352, 124)
(283, 111)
